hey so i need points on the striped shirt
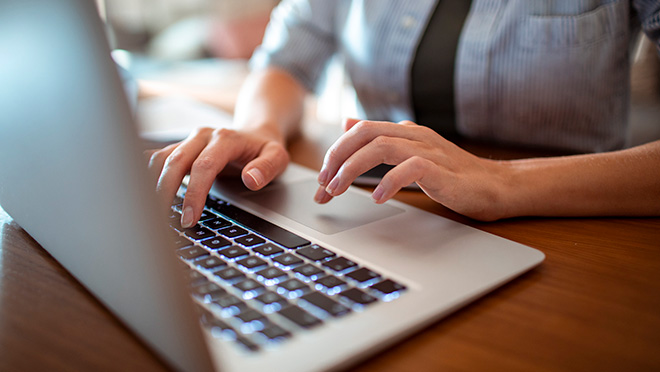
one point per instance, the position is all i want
(552, 73)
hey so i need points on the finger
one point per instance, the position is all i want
(358, 136)
(271, 162)
(221, 149)
(409, 171)
(388, 150)
(322, 196)
(177, 165)
(158, 157)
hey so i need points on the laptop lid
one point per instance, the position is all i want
(73, 176)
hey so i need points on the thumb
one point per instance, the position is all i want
(270, 163)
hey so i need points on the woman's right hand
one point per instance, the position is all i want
(259, 155)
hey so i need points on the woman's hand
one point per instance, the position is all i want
(465, 183)
(206, 153)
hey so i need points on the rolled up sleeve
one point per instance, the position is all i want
(299, 39)
(649, 16)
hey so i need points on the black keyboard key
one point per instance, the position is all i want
(233, 231)
(208, 292)
(249, 285)
(216, 223)
(196, 278)
(198, 232)
(362, 275)
(293, 285)
(268, 298)
(193, 252)
(315, 252)
(251, 262)
(250, 240)
(388, 286)
(270, 273)
(206, 215)
(287, 260)
(230, 273)
(309, 271)
(231, 303)
(180, 242)
(339, 264)
(177, 200)
(268, 249)
(273, 331)
(358, 296)
(251, 315)
(212, 322)
(174, 219)
(211, 262)
(261, 226)
(333, 307)
(246, 342)
(300, 317)
(330, 282)
(216, 242)
(233, 252)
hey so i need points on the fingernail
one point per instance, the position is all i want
(256, 176)
(323, 177)
(377, 195)
(187, 217)
(332, 186)
(320, 193)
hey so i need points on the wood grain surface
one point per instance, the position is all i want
(593, 305)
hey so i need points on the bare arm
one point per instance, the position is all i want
(625, 183)
(268, 111)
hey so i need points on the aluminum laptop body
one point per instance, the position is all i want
(73, 176)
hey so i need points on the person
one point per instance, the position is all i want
(535, 73)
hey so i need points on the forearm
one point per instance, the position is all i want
(271, 101)
(625, 183)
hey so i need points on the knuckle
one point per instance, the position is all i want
(224, 133)
(363, 125)
(203, 164)
(176, 158)
(201, 132)
(332, 154)
(383, 142)
(155, 157)
(419, 163)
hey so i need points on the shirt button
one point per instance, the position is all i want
(408, 21)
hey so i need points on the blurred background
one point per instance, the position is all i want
(190, 58)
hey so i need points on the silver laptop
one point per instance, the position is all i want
(268, 280)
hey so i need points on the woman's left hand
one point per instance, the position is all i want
(465, 183)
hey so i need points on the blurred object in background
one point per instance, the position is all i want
(189, 57)
(238, 27)
(178, 30)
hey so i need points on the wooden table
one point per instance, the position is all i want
(593, 305)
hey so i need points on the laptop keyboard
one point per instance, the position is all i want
(259, 284)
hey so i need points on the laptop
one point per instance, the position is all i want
(224, 295)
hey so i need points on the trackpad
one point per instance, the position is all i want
(347, 211)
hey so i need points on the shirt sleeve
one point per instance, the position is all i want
(300, 39)
(649, 15)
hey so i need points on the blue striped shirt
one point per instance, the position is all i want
(551, 73)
